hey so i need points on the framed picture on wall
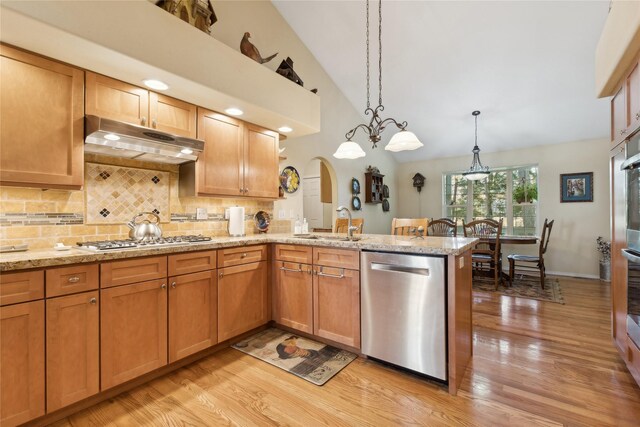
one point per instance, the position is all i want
(576, 187)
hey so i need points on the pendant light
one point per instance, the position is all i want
(476, 171)
(401, 141)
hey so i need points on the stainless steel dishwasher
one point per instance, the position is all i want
(403, 301)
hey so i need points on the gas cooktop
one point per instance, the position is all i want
(162, 242)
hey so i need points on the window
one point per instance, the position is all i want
(510, 194)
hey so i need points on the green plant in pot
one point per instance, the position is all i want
(530, 190)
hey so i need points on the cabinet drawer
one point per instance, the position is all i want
(242, 255)
(70, 280)
(21, 287)
(127, 271)
(294, 253)
(341, 258)
(633, 358)
(191, 262)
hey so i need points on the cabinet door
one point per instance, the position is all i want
(242, 299)
(116, 100)
(293, 296)
(633, 98)
(618, 117)
(21, 362)
(42, 116)
(336, 305)
(618, 242)
(219, 167)
(172, 115)
(261, 163)
(72, 349)
(133, 328)
(193, 314)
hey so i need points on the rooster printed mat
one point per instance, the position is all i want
(307, 359)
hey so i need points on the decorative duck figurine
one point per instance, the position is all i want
(248, 49)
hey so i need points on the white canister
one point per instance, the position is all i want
(236, 221)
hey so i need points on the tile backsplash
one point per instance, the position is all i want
(42, 218)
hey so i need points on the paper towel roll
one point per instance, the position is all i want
(236, 221)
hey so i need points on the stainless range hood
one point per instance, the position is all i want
(117, 139)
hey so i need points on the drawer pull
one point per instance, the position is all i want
(244, 255)
(335, 276)
(220, 275)
(173, 285)
(164, 286)
(73, 279)
(92, 301)
(299, 270)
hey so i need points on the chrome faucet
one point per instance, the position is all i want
(350, 228)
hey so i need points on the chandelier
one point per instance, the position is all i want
(401, 141)
(476, 171)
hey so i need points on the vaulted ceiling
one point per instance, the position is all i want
(527, 66)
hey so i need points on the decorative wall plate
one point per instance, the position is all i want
(355, 203)
(290, 179)
(385, 191)
(262, 220)
(355, 186)
(385, 205)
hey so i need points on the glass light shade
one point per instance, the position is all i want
(403, 141)
(475, 176)
(349, 150)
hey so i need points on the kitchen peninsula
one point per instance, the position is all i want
(151, 289)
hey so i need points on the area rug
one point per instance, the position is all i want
(523, 287)
(307, 359)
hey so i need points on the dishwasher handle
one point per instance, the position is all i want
(399, 268)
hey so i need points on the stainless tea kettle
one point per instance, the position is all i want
(144, 230)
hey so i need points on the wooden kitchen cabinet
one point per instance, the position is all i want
(193, 313)
(293, 296)
(633, 98)
(42, 115)
(336, 305)
(618, 242)
(238, 160)
(73, 331)
(117, 100)
(241, 255)
(71, 280)
(126, 271)
(22, 362)
(618, 117)
(133, 328)
(21, 286)
(243, 300)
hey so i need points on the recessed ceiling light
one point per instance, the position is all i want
(155, 84)
(234, 111)
(186, 151)
(111, 137)
(285, 129)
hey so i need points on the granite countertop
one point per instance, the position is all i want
(428, 245)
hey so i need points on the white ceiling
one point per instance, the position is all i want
(527, 66)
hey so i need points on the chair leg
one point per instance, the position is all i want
(512, 268)
(542, 274)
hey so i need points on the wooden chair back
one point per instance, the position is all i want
(443, 227)
(485, 228)
(343, 223)
(409, 226)
(544, 238)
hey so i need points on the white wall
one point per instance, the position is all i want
(572, 248)
(271, 33)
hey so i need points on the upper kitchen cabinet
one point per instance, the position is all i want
(238, 160)
(41, 110)
(625, 106)
(116, 100)
(633, 97)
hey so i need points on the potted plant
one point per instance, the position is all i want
(525, 192)
(604, 247)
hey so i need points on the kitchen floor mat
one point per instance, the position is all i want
(310, 360)
(523, 287)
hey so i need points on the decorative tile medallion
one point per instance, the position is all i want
(115, 194)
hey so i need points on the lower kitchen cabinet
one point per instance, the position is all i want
(193, 313)
(336, 305)
(21, 362)
(243, 302)
(73, 351)
(133, 329)
(293, 295)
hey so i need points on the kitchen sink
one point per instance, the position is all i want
(333, 238)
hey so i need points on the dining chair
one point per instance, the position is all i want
(443, 227)
(409, 226)
(525, 261)
(343, 223)
(486, 256)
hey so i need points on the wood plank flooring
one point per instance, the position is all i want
(535, 363)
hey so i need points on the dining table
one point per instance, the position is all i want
(508, 240)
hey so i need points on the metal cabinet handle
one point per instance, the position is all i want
(242, 190)
(623, 131)
(299, 270)
(637, 116)
(244, 255)
(335, 276)
(246, 190)
(220, 275)
(164, 286)
(73, 279)
(93, 301)
(154, 123)
(173, 285)
(143, 121)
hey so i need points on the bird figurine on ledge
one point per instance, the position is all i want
(248, 49)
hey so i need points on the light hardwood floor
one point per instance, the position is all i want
(535, 363)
